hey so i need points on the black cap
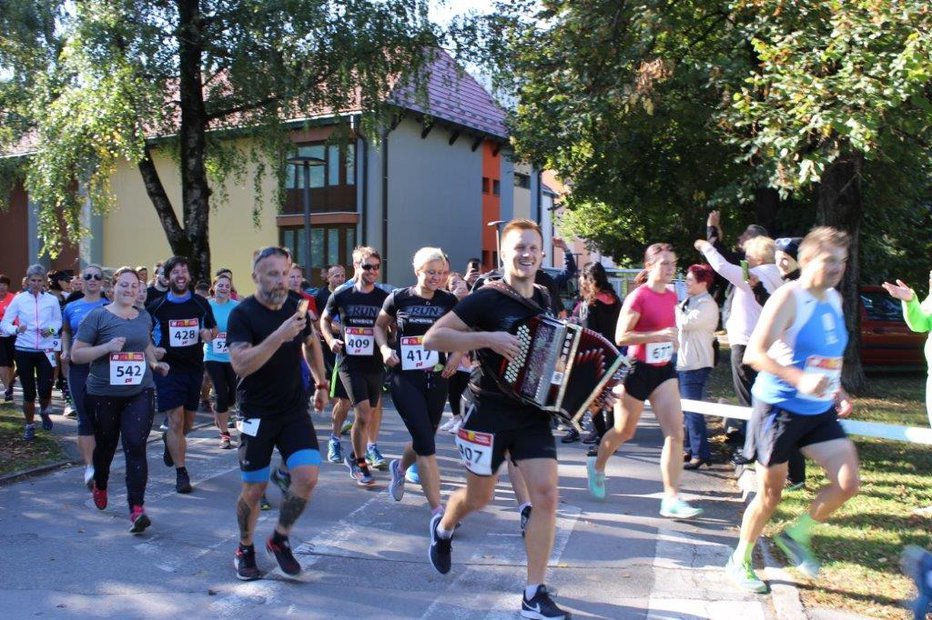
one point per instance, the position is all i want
(754, 230)
(788, 245)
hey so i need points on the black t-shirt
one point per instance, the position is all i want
(276, 388)
(487, 310)
(153, 294)
(541, 278)
(176, 328)
(358, 312)
(414, 315)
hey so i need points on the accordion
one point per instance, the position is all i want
(562, 367)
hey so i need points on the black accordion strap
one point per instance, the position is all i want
(509, 291)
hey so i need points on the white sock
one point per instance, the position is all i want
(444, 534)
(531, 590)
(521, 507)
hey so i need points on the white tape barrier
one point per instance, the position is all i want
(911, 434)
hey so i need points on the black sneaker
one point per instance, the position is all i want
(439, 552)
(541, 606)
(281, 550)
(525, 516)
(182, 481)
(166, 455)
(245, 563)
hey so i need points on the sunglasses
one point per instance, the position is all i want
(92, 276)
(270, 251)
(371, 267)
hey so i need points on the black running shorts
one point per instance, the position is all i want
(644, 379)
(778, 433)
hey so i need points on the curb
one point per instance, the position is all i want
(16, 476)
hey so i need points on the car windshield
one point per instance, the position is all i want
(881, 307)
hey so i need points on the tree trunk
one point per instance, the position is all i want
(195, 190)
(766, 209)
(163, 206)
(840, 206)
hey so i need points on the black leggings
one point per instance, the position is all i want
(419, 398)
(35, 374)
(458, 384)
(224, 380)
(130, 416)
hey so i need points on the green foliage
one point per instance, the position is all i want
(121, 72)
(657, 112)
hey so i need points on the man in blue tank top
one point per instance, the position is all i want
(797, 348)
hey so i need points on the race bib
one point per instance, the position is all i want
(360, 341)
(50, 356)
(249, 426)
(414, 356)
(830, 367)
(182, 333)
(127, 368)
(219, 343)
(658, 352)
(476, 451)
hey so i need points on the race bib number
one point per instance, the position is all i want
(249, 426)
(476, 451)
(219, 343)
(127, 368)
(659, 352)
(50, 356)
(56, 344)
(183, 332)
(360, 341)
(414, 356)
(829, 367)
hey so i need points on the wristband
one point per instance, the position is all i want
(322, 386)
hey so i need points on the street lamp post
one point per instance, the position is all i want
(306, 161)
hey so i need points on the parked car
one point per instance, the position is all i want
(886, 340)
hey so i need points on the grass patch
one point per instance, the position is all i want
(861, 544)
(18, 455)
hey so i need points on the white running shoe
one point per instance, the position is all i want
(456, 427)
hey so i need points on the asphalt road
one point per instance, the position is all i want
(365, 555)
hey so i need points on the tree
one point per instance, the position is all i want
(658, 112)
(118, 74)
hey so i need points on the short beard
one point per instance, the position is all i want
(273, 297)
(177, 291)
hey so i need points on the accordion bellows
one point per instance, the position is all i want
(562, 367)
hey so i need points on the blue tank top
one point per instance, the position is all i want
(815, 342)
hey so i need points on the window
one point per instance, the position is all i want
(496, 187)
(330, 244)
(522, 180)
(485, 185)
(332, 183)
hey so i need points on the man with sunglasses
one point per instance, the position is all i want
(360, 363)
(182, 323)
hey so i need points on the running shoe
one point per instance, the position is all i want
(166, 454)
(164, 426)
(264, 503)
(525, 517)
(69, 412)
(744, 577)
(571, 436)
(89, 477)
(8, 395)
(456, 427)
(100, 497)
(446, 426)
(182, 481)
(916, 563)
(440, 548)
(362, 476)
(675, 508)
(375, 459)
(245, 563)
(46, 419)
(396, 488)
(596, 479)
(281, 551)
(282, 480)
(346, 428)
(412, 475)
(541, 606)
(799, 553)
(365, 476)
(29, 432)
(139, 520)
(334, 451)
(225, 442)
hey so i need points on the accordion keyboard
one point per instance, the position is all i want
(514, 367)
